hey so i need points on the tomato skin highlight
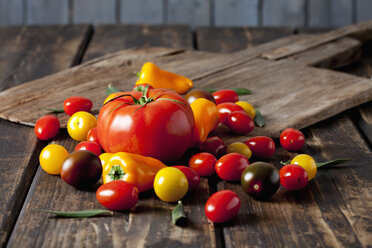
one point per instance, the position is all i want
(231, 166)
(240, 122)
(47, 127)
(293, 177)
(222, 206)
(89, 146)
(92, 135)
(224, 109)
(292, 139)
(192, 176)
(117, 195)
(203, 163)
(226, 95)
(215, 146)
(262, 147)
(75, 104)
(162, 129)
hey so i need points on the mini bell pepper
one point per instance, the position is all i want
(158, 78)
(206, 119)
(132, 168)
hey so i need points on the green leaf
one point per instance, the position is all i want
(54, 110)
(333, 162)
(242, 91)
(111, 89)
(78, 214)
(178, 215)
(210, 90)
(138, 74)
(258, 119)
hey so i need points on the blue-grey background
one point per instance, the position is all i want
(293, 13)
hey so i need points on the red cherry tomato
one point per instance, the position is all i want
(224, 109)
(89, 146)
(262, 147)
(203, 163)
(215, 146)
(240, 122)
(192, 176)
(93, 135)
(47, 127)
(231, 166)
(222, 206)
(222, 96)
(293, 177)
(292, 139)
(117, 195)
(75, 104)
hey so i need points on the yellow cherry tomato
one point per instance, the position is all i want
(105, 157)
(79, 125)
(240, 148)
(51, 158)
(170, 184)
(306, 162)
(248, 108)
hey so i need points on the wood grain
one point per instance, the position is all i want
(21, 56)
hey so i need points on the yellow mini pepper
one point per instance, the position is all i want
(132, 168)
(206, 119)
(158, 78)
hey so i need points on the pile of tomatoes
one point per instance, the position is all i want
(84, 166)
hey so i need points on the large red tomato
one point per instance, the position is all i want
(158, 123)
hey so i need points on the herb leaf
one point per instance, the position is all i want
(242, 91)
(258, 119)
(210, 90)
(333, 162)
(178, 215)
(77, 214)
(111, 89)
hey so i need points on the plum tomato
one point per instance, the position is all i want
(81, 168)
(239, 122)
(194, 94)
(222, 206)
(79, 125)
(260, 180)
(51, 158)
(47, 127)
(215, 146)
(192, 176)
(292, 139)
(224, 109)
(89, 146)
(306, 162)
(92, 135)
(117, 195)
(262, 147)
(170, 184)
(226, 95)
(231, 166)
(203, 163)
(241, 148)
(75, 104)
(293, 177)
(248, 108)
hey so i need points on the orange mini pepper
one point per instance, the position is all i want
(132, 168)
(158, 78)
(206, 119)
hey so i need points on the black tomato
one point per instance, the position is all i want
(194, 94)
(260, 180)
(81, 168)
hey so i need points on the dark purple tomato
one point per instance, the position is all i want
(194, 94)
(215, 146)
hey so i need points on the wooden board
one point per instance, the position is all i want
(275, 83)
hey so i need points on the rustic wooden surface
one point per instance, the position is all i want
(268, 79)
(333, 211)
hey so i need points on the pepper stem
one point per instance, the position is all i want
(116, 173)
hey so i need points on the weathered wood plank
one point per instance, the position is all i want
(363, 9)
(148, 224)
(11, 12)
(23, 59)
(330, 13)
(140, 36)
(142, 11)
(236, 13)
(283, 13)
(47, 11)
(193, 12)
(94, 11)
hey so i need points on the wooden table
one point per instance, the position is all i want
(334, 210)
